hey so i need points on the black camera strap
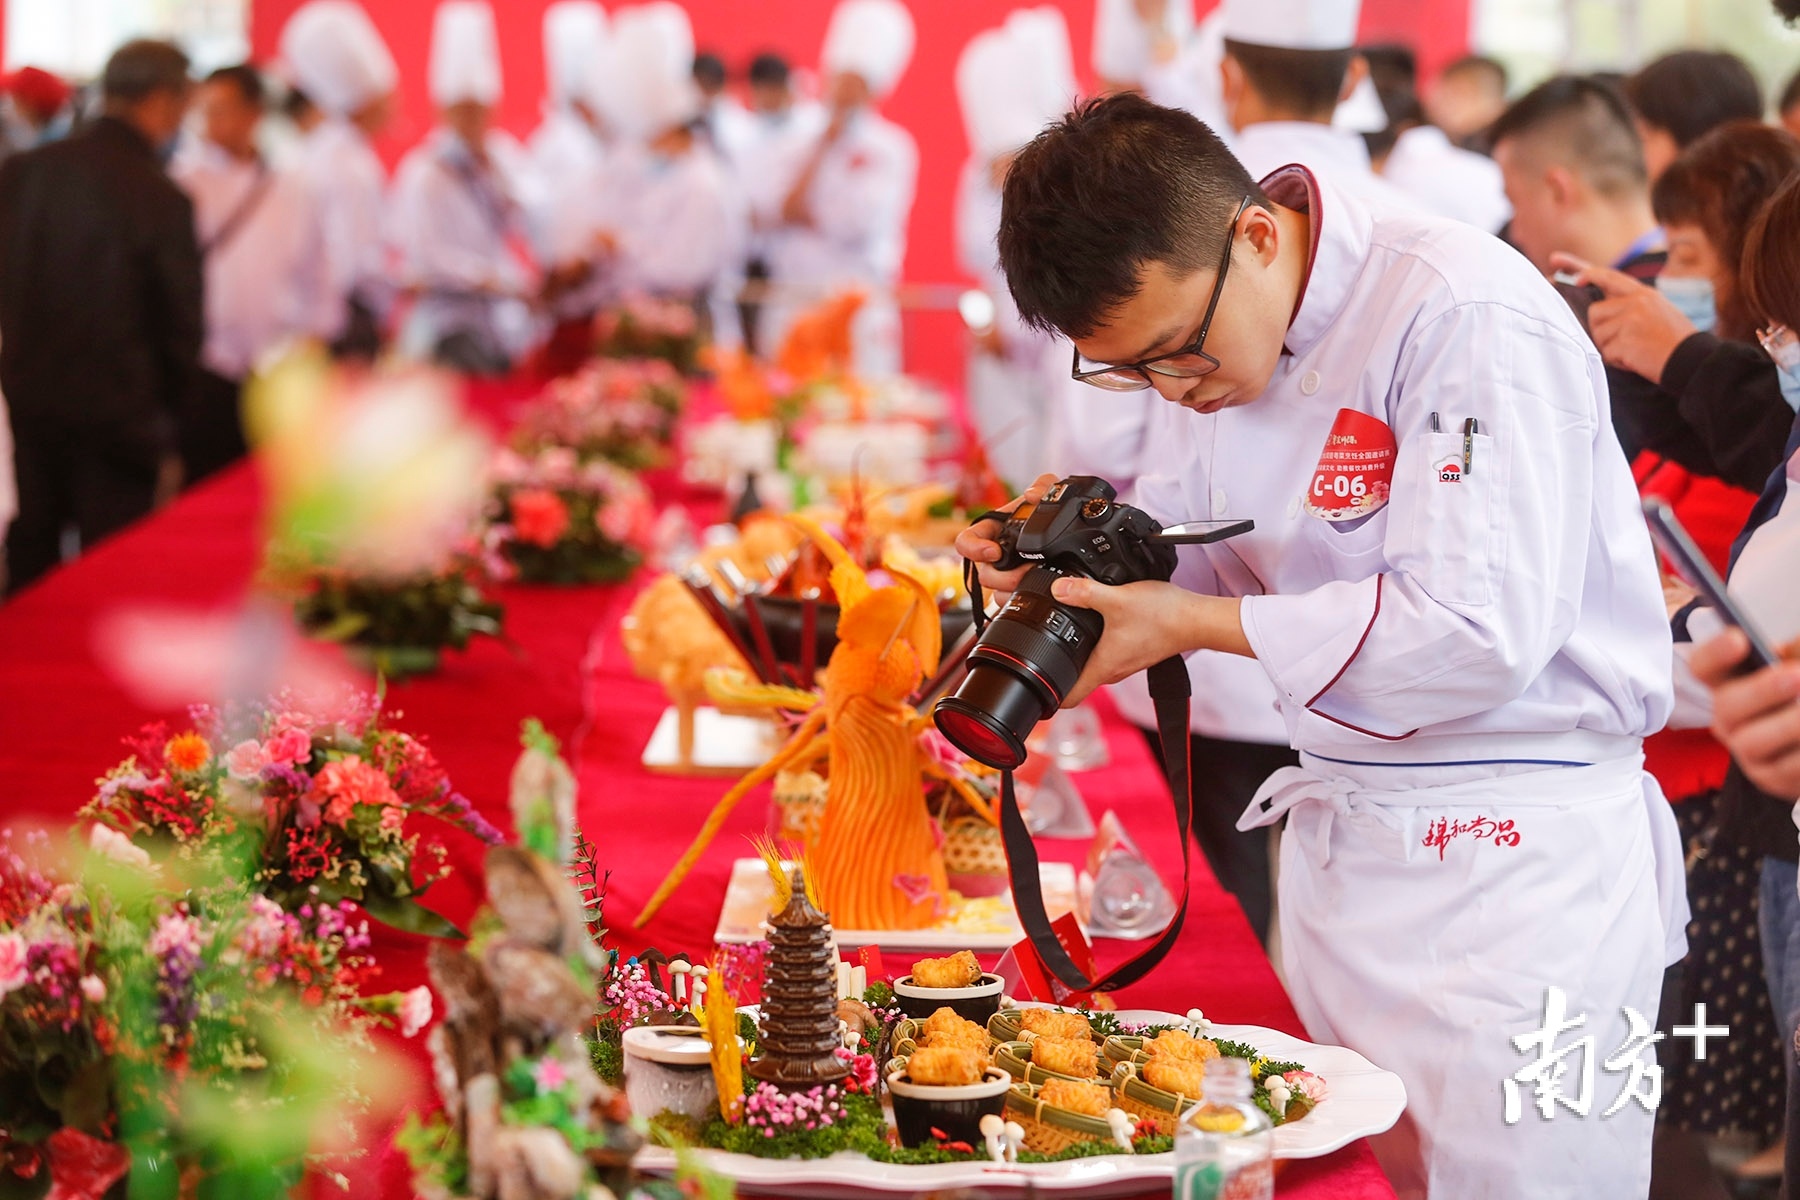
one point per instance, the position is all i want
(1170, 691)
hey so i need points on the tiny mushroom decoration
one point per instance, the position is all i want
(698, 973)
(1280, 1092)
(1197, 1023)
(1122, 1127)
(1015, 1140)
(678, 982)
(993, 1136)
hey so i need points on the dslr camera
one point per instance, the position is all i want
(1033, 650)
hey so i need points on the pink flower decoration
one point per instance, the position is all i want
(246, 760)
(1307, 1084)
(415, 1013)
(393, 818)
(348, 783)
(549, 1075)
(110, 843)
(13, 972)
(288, 748)
(539, 517)
(94, 988)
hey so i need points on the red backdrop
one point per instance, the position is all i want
(925, 101)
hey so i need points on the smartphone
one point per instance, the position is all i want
(1199, 533)
(1674, 541)
(1578, 296)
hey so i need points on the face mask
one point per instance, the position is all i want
(1694, 297)
(1784, 349)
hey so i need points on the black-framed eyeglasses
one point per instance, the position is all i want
(1189, 362)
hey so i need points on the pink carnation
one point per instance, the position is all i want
(393, 818)
(288, 748)
(539, 517)
(348, 783)
(246, 760)
(13, 972)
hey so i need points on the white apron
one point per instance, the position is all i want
(1425, 910)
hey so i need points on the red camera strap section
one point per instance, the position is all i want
(1170, 690)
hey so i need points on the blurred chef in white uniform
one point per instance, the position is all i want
(1295, 91)
(1137, 41)
(259, 236)
(780, 125)
(569, 145)
(668, 208)
(455, 219)
(1011, 81)
(847, 196)
(335, 56)
(1450, 589)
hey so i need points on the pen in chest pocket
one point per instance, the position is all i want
(1470, 428)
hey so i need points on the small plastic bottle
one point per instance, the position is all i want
(1223, 1147)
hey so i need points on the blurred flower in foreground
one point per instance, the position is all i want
(375, 473)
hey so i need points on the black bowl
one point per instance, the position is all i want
(975, 1003)
(781, 617)
(955, 1112)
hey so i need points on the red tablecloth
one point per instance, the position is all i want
(62, 713)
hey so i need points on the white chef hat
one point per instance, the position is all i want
(1292, 24)
(334, 54)
(999, 103)
(651, 87)
(1362, 110)
(1042, 35)
(1122, 44)
(465, 54)
(870, 38)
(574, 46)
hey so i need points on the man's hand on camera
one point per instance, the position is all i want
(1755, 716)
(977, 544)
(1145, 623)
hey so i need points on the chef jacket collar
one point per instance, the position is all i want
(1341, 231)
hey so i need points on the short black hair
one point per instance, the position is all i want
(1788, 10)
(246, 79)
(1690, 92)
(709, 70)
(1115, 185)
(143, 67)
(1480, 64)
(1392, 65)
(1590, 125)
(769, 69)
(296, 104)
(1304, 83)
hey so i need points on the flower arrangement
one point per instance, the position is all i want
(646, 327)
(556, 519)
(321, 804)
(162, 1015)
(399, 626)
(620, 410)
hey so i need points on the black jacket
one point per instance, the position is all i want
(1718, 412)
(101, 318)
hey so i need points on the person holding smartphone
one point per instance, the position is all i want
(1449, 587)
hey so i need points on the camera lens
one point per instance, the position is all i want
(1025, 663)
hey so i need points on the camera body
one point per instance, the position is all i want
(1032, 652)
(1080, 528)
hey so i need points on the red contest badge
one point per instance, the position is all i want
(1355, 471)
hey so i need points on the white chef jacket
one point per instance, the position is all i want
(456, 229)
(1117, 435)
(1336, 156)
(761, 153)
(1448, 180)
(348, 186)
(1513, 615)
(256, 227)
(861, 200)
(679, 221)
(1191, 80)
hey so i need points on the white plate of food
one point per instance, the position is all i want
(1362, 1100)
(986, 924)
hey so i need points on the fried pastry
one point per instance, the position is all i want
(1176, 1044)
(1045, 1022)
(1066, 1056)
(945, 1066)
(947, 1019)
(1089, 1098)
(958, 970)
(1181, 1076)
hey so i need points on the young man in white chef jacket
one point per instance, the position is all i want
(337, 58)
(1448, 586)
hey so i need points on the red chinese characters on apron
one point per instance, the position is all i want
(1355, 471)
